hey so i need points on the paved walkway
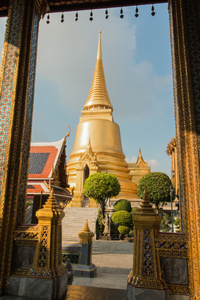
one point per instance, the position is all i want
(114, 261)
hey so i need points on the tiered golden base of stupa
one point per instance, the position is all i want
(97, 148)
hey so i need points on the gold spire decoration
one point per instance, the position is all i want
(140, 160)
(146, 206)
(98, 96)
(86, 227)
(51, 202)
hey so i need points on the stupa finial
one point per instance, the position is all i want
(98, 96)
(99, 54)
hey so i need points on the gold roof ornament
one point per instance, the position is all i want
(86, 227)
(146, 206)
(98, 96)
(140, 161)
(86, 235)
(51, 202)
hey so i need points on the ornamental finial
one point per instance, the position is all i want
(146, 206)
(99, 54)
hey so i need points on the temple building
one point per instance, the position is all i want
(138, 169)
(97, 146)
(47, 170)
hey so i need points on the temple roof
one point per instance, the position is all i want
(44, 158)
(35, 188)
(98, 95)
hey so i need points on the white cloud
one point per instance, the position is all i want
(153, 163)
(133, 159)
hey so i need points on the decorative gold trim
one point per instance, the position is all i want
(183, 16)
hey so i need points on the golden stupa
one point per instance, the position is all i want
(97, 146)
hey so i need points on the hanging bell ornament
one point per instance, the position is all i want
(48, 19)
(152, 11)
(136, 12)
(91, 16)
(121, 13)
(106, 13)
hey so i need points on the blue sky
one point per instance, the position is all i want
(137, 65)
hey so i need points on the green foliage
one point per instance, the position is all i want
(101, 186)
(100, 225)
(131, 233)
(123, 230)
(114, 228)
(28, 203)
(122, 204)
(165, 222)
(121, 217)
(178, 224)
(157, 186)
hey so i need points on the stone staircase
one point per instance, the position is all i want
(74, 221)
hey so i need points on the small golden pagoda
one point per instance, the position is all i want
(97, 146)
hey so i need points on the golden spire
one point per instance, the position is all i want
(140, 160)
(86, 227)
(51, 202)
(98, 96)
(146, 206)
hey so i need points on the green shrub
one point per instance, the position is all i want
(122, 204)
(114, 228)
(123, 230)
(131, 233)
(121, 217)
(165, 222)
(178, 224)
(99, 223)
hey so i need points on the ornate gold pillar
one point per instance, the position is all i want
(17, 77)
(146, 273)
(48, 255)
(185, 41)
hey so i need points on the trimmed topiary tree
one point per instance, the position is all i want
(121, 217)
(100, 187)
(124, 220)
(124, 229)
(157, 185)
(122, 204)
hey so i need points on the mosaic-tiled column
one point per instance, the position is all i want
(47, 265)
(185, 40)
(145, 279)
(17, 76)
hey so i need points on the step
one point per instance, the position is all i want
(74, 221)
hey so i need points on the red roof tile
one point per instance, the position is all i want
(45, 170)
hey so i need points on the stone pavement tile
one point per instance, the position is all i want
(114, 261)
(104, 280)
(91, 293)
